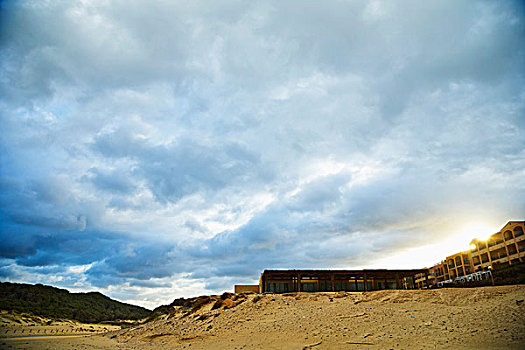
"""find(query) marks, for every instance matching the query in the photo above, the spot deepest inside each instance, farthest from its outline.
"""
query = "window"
(326, 286)
(308, 287)
(518, 231)
(278, 287)
(390, 285)
(339, 286)
(451, 263)
(352, 286)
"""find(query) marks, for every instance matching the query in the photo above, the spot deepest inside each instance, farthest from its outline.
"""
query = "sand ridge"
(490, 317)
(469, 318)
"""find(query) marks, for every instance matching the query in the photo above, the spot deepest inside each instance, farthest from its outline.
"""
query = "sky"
(157, 149)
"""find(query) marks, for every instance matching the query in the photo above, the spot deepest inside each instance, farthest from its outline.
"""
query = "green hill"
(47, 301)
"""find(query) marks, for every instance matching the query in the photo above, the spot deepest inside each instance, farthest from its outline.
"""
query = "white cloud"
(196, 144)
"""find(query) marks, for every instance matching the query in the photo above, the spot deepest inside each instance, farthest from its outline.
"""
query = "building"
(457, 265)
(283, 281)
(438, 273)
(454, 266)
(504, 247)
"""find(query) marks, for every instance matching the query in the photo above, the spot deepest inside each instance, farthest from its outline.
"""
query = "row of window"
(511, 247)
(326, 286)
(507, 235)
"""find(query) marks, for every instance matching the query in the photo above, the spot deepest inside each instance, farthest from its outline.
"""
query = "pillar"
(516, 244)
(488, 252)
(506, 249)
(365, 284)
(479, 257)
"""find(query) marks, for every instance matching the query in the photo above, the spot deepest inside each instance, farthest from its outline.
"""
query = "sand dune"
(474, 318)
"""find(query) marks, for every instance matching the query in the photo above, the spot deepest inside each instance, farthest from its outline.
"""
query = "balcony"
(512, 249)
(514, 256)
(482, 249)
(497, 246)
(502, 260)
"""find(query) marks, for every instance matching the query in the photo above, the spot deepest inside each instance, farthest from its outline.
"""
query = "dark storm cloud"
(137, 261)
(180, 168)
(36, 246)
(201, 143)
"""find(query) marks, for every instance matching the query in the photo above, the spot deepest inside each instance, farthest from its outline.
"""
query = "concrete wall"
(243, 288)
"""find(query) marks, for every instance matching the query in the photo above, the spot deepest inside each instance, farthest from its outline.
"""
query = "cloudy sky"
(157, 149)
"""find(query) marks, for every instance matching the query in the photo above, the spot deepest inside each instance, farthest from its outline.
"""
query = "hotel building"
(504, 247)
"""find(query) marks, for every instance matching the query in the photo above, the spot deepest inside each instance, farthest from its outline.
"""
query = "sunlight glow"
(428, 255)
(481, 232)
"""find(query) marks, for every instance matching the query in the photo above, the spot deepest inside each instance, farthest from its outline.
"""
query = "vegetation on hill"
(47, 301)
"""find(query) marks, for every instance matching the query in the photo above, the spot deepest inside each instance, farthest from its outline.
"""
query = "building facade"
(504, 247)
(284, 281)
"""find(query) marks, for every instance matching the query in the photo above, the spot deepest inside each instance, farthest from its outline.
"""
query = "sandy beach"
(473, 318)
(24, 331)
